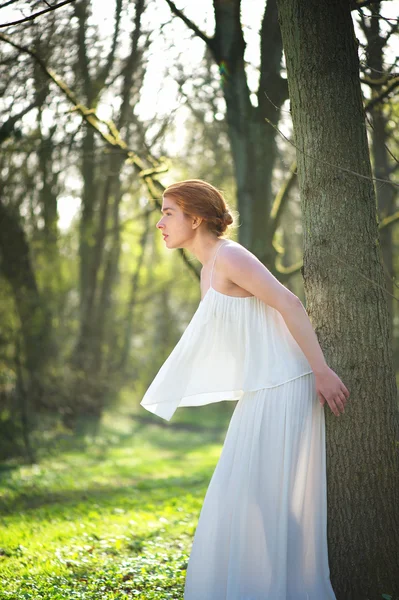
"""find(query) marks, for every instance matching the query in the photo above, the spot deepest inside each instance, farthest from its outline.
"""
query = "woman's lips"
(164, 237)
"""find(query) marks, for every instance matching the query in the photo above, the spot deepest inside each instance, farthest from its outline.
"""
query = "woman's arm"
(245, 270)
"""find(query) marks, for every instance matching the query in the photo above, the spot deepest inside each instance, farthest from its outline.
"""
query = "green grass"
(109, 516)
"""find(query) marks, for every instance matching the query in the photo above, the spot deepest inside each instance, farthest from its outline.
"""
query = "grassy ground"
(111, 515)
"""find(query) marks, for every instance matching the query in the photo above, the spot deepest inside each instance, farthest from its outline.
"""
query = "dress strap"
(214, 258)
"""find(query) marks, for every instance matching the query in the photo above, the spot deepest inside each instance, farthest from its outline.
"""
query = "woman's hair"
(199, 198)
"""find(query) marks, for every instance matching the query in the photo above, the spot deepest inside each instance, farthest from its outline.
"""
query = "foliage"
(104, 283)
(111, 515)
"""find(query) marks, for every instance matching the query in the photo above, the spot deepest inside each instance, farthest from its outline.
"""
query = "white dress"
(261, 533)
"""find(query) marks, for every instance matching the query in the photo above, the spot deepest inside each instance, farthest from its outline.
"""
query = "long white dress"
(261, 533)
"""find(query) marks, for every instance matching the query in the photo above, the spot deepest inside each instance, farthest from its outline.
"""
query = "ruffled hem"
(166, 410)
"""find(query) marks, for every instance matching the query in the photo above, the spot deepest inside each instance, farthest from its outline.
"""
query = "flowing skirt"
(262, 529)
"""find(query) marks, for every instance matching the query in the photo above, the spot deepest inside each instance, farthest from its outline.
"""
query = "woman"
(261, 533)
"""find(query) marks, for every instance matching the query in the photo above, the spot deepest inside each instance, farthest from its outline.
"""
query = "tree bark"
(346, 300)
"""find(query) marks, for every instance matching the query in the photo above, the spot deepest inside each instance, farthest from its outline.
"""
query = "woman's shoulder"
(233, 250)
(235, 258)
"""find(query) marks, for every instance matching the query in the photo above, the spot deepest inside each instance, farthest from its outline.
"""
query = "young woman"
(261, 533)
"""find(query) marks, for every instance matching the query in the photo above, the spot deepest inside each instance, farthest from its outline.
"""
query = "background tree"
(253, 144)
(380, 77)
(36, 259)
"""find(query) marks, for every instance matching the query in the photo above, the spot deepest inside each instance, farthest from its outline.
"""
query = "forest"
(291, 109)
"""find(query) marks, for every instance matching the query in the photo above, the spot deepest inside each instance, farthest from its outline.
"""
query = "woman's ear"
(196, 222)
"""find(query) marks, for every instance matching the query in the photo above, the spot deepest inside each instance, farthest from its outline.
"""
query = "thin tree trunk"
(24, 405)
(110, 272)
(35, 320)
(130, 312)
(349, 312)
(101, 193)
(379, 138)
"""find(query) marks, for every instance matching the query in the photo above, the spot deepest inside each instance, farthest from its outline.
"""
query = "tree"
(344, 285)
(68, 138)
(377, 75)
(253, 144)
(101, 198)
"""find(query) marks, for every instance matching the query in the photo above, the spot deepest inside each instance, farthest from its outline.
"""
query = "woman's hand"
(330, 389)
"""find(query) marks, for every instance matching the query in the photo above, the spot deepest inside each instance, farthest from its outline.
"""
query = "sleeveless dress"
(262, 529)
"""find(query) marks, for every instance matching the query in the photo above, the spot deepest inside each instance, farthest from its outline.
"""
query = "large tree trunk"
(344, 285)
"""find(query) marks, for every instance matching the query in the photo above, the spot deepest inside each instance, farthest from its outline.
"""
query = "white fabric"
(261, 533)
(232, 345)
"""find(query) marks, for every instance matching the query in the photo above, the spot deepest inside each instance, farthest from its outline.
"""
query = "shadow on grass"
(144, 494)
(130, 480)
(206, 423)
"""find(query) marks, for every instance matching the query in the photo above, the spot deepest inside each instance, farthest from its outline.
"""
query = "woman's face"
(174, 224)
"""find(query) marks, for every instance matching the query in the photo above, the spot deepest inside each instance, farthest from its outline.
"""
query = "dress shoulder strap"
(213, 264)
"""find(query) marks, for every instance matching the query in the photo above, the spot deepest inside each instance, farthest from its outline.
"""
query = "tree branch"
(179, 13)
(357, 4)
(281, 199)
(38, 14)
(288, 271)
(378, 82)
(8, 127)
(132, 62)
(8, 3)
(387, 221)
(103, 74)
(394, 29)
(326, 162)
(113, 139)
(384, 94)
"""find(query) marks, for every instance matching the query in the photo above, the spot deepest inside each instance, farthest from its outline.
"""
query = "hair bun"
(227, 218)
